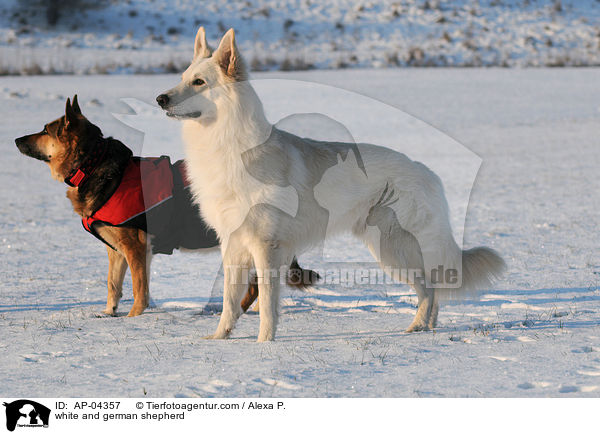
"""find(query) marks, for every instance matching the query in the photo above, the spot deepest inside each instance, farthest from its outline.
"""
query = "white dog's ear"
(201, 48)
(229, 59)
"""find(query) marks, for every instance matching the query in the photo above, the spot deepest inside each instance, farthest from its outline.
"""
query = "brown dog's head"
(62, 143)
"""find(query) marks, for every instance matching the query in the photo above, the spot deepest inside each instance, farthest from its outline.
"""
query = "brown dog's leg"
(137, 265)
(250, 296)
(117, 266)
(131, 244)
(136, 253)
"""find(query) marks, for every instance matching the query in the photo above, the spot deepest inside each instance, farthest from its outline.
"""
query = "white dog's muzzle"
(193, 115)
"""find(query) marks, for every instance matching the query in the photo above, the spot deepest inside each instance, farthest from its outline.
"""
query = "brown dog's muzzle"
(24, 144)
(21, 142)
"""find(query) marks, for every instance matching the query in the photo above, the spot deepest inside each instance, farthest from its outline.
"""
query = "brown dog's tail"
(300, 278)
(297, 278)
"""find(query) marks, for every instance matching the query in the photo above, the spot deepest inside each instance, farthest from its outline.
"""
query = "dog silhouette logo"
(26, 413)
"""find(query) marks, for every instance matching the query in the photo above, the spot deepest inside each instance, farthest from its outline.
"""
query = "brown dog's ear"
(228, 57)
(70, 115)
(201, 48)
(75, 105)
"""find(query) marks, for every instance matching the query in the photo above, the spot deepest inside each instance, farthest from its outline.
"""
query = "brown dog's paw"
(104, 314)
(136, 310)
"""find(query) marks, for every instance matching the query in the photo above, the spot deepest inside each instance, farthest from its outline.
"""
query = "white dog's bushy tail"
(481, 266)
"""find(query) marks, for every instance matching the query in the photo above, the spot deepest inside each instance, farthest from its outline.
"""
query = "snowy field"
(536, 200)
(102, 36)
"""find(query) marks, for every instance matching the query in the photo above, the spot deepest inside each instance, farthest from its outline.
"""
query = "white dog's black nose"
(162, 100)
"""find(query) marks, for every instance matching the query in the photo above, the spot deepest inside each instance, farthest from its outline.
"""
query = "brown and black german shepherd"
(72, 145)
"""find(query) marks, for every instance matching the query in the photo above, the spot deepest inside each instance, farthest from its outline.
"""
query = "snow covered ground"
(156, 36)
(536, 200)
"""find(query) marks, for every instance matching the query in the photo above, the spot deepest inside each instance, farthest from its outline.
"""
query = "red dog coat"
(154, 196)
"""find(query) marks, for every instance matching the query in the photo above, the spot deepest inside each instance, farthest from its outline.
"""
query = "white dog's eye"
(198, 82)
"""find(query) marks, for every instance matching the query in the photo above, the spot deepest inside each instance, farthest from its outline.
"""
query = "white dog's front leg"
(268, 267)
(236, 282)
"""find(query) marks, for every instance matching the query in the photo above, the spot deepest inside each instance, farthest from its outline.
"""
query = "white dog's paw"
(218, 335)
(266, 335)
(417, 326)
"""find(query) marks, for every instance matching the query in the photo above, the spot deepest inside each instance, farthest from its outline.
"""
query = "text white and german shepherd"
(270, 194)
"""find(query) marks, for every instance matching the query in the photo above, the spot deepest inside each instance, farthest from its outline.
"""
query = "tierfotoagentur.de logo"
(25, 413)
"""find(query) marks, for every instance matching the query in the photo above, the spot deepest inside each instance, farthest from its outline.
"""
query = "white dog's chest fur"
(222, 185)
(214, 180)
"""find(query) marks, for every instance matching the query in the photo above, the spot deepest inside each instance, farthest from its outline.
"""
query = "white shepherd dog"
(270, 194)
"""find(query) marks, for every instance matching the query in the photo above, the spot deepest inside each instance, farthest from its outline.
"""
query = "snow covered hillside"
(156, 36)
(536, 200)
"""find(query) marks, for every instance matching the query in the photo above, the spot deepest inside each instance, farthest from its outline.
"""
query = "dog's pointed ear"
(70, 115)
(229, 59)
(75, 105)
(201, 48)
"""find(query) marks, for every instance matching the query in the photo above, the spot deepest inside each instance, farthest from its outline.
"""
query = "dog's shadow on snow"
(555, 296)
(549, 303)
(27, 307)
(554, 307)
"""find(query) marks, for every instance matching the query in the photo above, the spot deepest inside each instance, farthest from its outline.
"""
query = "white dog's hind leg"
(235, 271)
(423, 318)
(399, 254)
(435, 308)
